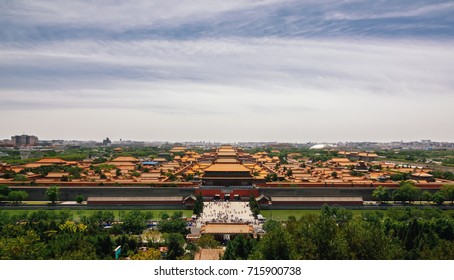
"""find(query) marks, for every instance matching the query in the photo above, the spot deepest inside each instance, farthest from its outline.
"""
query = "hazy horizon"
(228, 71)
(228, 142)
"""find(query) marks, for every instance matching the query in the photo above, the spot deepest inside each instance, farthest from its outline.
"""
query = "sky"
(228, 71)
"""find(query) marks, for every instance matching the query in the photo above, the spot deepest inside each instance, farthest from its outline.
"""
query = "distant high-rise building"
(24, 140)
(107, 141)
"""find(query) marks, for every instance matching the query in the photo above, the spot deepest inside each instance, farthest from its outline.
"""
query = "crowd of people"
(226, 212)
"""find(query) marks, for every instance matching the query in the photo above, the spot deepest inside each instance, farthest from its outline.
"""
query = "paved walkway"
(226, 212)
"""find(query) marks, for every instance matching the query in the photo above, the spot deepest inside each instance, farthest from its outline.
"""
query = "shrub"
(79, 198)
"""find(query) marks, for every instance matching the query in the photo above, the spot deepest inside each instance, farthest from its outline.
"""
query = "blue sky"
(234, 70)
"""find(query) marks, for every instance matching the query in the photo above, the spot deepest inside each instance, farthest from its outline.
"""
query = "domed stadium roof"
(321, 146)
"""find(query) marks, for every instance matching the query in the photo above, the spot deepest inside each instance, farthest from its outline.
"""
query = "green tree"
(271, 177)
(377, 167)
(198, 205)
(207, 241)
(103, 245)
(255, 209)
(175, 248)
(448, 192)
(399, 177)
(448, 175)
(177, 215)
(149, 254)
(17, 197)
(381, 194)
(24, 246)
(53, 193)
(79, 198)
(326, 234)
(134, 221)
(239, 248)
(426, 196)
(173, 226)
(444, 250)
(98, 219)
(368, 241)
(171, 177)
(438, 197)
(74, 172)
(356, 173)
(99, 160)
(64, 178)
(118, 172)
(129, 244)
(20, 177)
(407, 191)
(9, 174)
(275, 245)
(4, 192)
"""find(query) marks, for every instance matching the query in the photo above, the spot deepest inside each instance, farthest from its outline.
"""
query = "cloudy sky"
(237, 70)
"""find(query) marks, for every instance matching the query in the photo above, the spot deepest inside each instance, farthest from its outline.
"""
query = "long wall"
(38, 193)
(69, 193)
(346, 185)
(365, 193)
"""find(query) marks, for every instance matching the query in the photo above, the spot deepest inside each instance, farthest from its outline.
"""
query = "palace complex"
(227, 173)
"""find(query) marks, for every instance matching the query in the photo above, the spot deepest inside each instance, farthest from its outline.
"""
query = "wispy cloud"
(261, 70)
(398, 10)
(368, 66)
(120, 15)
(56, 20)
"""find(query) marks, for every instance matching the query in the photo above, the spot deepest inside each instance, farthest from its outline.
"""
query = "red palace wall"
(232, 193)
(166, 203)
(333, 202)
(345, 185)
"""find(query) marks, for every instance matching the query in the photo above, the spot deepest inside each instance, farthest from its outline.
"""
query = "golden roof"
(177, 149)
(227, 167)
(227, 228)
(339, 160)
(226, 160)
(209, 254)
(125, 159)
(227, 153)
(57, 174)
(51, 160)
(422, 174)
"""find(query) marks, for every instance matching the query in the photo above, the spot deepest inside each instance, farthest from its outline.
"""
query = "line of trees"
(15, 197)
(408, 192)
(198, 205)
(47, 234)
(255, 209)
(335, 233)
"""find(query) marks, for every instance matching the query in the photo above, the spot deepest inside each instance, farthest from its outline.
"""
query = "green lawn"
(77, 212)
(283, 215)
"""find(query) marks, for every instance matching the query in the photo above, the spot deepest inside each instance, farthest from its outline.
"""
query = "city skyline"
(236, 71)
(20, 140)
